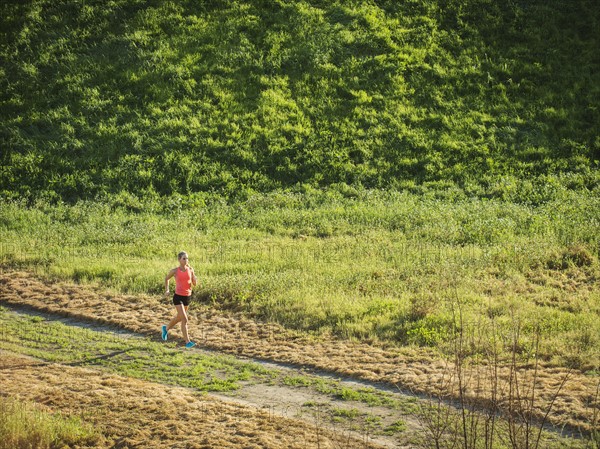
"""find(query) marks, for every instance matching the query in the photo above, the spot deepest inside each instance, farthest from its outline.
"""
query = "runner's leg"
(176, 319)
(183, 319)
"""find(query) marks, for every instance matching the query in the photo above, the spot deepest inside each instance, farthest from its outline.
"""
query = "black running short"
(178, 299)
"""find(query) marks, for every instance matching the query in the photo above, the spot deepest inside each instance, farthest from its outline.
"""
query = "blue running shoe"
(190, 344)
(165, 333)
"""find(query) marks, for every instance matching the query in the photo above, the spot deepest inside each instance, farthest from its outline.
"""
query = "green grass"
(25, 425)
(395, 427)
(344, 413)
(132, 356)
(366, 395)
(493, 97)
(143, 358)
(366, 265)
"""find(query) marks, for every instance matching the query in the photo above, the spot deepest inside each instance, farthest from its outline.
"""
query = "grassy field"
(370, 266)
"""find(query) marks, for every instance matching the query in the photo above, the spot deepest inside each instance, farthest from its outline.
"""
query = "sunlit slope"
(240, 95)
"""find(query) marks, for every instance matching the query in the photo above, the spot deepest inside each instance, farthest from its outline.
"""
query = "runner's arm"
(170, 274)
(194, 279)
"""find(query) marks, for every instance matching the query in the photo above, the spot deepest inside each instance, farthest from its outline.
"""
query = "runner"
(184, 280)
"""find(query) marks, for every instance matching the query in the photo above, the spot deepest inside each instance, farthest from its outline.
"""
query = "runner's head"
(183, 258)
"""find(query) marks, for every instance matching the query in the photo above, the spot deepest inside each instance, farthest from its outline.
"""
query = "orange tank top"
(183, 282)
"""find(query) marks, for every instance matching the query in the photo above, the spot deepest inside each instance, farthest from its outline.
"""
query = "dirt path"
(130, 413)
(412, 369)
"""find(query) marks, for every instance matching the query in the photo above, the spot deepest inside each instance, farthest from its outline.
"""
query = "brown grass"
(410, 368)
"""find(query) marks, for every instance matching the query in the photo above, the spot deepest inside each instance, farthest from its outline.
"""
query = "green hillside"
(232, 96)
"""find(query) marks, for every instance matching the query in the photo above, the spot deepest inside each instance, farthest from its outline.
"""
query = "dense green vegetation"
(162, 97)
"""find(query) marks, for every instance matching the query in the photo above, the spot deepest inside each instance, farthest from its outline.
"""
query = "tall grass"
(25, 425)
(370, 265)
